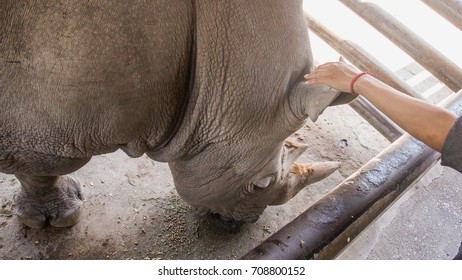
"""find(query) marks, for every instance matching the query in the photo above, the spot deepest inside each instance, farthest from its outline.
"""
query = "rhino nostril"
(226, 224)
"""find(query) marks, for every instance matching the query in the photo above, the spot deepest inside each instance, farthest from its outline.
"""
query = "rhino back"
(79, 78)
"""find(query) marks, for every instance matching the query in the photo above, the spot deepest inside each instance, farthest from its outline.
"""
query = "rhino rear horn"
(301, 175)
(292, 151)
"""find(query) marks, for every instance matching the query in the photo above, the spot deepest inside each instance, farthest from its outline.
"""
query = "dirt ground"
(132, 211)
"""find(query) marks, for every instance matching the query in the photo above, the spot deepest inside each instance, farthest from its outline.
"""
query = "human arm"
(426, 122)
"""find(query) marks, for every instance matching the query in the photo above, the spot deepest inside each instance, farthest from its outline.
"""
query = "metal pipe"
(326, 227)
(360, 57)
(427, 56)
(374, 117)
(449, 9)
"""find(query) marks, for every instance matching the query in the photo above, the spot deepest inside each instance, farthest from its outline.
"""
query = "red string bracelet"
(353, 81)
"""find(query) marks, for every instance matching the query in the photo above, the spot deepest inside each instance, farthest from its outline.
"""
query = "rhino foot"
(52, 200)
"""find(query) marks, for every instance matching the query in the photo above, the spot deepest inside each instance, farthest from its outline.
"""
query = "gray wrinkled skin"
(212, 87)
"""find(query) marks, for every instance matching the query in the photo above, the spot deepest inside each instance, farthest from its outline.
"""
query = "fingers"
(311, 78)
(325, 72)
(316, 77)
(327, 64)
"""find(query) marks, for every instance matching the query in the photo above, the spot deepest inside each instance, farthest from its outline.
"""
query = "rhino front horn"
(301, 175)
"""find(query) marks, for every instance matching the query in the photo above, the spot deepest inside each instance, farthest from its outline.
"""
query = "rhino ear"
(311, 100)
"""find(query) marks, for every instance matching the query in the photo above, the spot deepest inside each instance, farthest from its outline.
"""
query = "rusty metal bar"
(325, 228)
(449, 9)
(427, 56)
(360, 57)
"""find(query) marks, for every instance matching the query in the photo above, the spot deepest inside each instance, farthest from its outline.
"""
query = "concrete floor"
(424, 224)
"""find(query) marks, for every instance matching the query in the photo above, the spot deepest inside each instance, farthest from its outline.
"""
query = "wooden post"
(449, 9)
(427, 56)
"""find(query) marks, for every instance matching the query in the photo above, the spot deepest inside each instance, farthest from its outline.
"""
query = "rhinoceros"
(214, 88)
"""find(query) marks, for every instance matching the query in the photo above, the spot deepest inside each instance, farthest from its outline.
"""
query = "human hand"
(336, 75)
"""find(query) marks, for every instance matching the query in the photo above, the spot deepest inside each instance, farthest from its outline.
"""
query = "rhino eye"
(261, 184)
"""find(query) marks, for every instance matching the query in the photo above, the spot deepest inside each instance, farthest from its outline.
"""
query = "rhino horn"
(301, 175)
(292, 152)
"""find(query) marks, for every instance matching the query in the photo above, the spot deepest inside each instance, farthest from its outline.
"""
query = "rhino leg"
(47, 195)
(56, 200)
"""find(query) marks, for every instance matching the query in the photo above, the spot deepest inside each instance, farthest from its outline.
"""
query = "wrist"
(359, 82)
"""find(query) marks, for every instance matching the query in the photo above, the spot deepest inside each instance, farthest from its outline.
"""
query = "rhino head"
(249, 164)
(234, 181)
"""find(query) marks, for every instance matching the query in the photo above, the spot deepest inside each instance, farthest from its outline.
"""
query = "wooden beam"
(360, 57)
(427, 56)
(449, 9)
